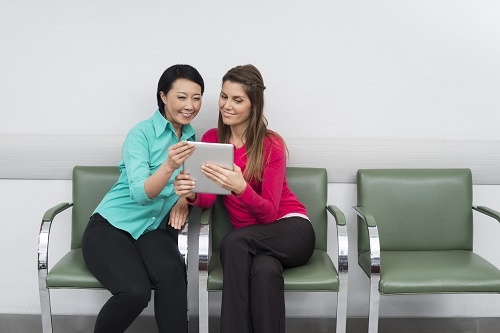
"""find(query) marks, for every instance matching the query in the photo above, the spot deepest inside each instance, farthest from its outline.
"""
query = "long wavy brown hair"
(253, 85)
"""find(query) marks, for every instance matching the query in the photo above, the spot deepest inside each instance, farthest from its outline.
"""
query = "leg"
(267, 296)
(290, 241)
(112, 257)
(167, 272)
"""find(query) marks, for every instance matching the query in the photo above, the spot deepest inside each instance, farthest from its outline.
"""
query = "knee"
(266, 271)
(135, 296)
(232, 241)
(171, 270)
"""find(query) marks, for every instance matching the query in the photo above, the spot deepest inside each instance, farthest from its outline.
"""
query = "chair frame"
(43, 264)
(374, 241)
(205, 252)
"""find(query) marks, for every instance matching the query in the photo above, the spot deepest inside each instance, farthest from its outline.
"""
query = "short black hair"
(173, 73)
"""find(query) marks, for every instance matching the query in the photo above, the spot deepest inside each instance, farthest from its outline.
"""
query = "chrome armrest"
(488, 211)
(374, 239)
(43, 237)
(43, 258)
(205, 250)
(343, 264)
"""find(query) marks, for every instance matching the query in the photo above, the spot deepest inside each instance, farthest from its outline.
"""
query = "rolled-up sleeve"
(135, 154)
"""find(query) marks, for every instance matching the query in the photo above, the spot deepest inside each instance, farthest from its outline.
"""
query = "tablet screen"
(221, 154)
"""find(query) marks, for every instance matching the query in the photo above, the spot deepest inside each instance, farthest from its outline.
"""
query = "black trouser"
(253, 259)
(128, 268)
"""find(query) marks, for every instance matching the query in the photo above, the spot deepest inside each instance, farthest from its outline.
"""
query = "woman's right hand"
(183, 186)
(178, 153)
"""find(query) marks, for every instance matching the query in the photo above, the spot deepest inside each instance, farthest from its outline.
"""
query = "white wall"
(374, 69)
(334, 69)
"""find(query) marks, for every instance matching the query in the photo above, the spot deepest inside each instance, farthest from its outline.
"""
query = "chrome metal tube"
(43, 246)
(343, 268)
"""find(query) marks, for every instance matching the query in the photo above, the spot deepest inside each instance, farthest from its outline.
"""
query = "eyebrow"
(237, 96)
(185, 93)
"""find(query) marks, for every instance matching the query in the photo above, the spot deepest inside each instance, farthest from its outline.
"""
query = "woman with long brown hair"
(271, 227)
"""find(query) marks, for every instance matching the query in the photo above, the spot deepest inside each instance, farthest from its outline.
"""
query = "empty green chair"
(415, 234)
(320, 273)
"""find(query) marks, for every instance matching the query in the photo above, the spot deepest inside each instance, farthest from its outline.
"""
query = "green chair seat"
(319, 274)
(426, 272)
(71, 272)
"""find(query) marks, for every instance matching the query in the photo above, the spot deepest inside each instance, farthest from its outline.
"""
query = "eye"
(197, 98)
(223, 96)
(181, 97)
(238, 101)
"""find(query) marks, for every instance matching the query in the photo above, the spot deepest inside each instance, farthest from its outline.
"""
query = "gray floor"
(11, 323)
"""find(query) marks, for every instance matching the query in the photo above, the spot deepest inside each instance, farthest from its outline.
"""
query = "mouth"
(227, 114)
(186, 114)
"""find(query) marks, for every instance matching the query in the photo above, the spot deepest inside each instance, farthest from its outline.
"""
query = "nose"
(188, 105)
(226, 105)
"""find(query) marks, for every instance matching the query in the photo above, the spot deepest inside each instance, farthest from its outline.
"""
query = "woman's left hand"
(231, 180)
(179, 214)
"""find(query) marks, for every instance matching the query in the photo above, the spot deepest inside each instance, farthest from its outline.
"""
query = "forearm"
(264, 209)
(157, 181)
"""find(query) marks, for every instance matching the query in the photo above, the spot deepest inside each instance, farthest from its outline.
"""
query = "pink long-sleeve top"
(261, 202)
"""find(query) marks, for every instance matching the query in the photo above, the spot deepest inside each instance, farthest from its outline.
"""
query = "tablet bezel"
(221, 154)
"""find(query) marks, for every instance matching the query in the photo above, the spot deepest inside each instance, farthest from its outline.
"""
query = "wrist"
(167, 169)
(240, 191)
(192, 198)
(183, 201)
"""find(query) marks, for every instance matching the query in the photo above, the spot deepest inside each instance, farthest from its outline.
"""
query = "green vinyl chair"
(89, 185)
(415, 235)
(320, 273)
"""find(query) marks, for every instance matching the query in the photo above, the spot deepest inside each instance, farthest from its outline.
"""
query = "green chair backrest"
(308, 184)
(90, 184)
(417, 209)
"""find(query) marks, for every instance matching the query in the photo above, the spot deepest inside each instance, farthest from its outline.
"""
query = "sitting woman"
(271, 227)
(126, 245)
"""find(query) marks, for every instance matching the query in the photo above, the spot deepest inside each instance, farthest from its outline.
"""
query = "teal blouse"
(126, 206)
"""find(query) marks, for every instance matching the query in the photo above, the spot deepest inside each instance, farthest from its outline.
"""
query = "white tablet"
(221, 154)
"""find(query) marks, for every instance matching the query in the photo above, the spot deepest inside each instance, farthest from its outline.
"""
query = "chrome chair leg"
(374, 304)
(196, 238)
(374, 280)
(45, 306)
(43, 244)
(343, 268)
(342, 305)
(203, 273)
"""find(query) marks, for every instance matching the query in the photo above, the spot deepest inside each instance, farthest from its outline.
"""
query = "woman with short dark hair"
(130, 243)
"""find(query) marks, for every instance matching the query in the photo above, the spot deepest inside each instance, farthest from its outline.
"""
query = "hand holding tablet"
(221, 154)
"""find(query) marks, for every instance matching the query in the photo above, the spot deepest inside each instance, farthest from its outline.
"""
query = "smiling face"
(234, 105)
(182, 102)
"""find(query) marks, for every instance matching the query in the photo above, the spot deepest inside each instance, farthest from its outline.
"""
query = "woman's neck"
(237, 137)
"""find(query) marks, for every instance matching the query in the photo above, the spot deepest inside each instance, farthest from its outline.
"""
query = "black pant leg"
(289, 242)
(167, 272)
(111, 256)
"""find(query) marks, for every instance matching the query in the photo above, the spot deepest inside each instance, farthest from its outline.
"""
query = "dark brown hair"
(253, 85)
